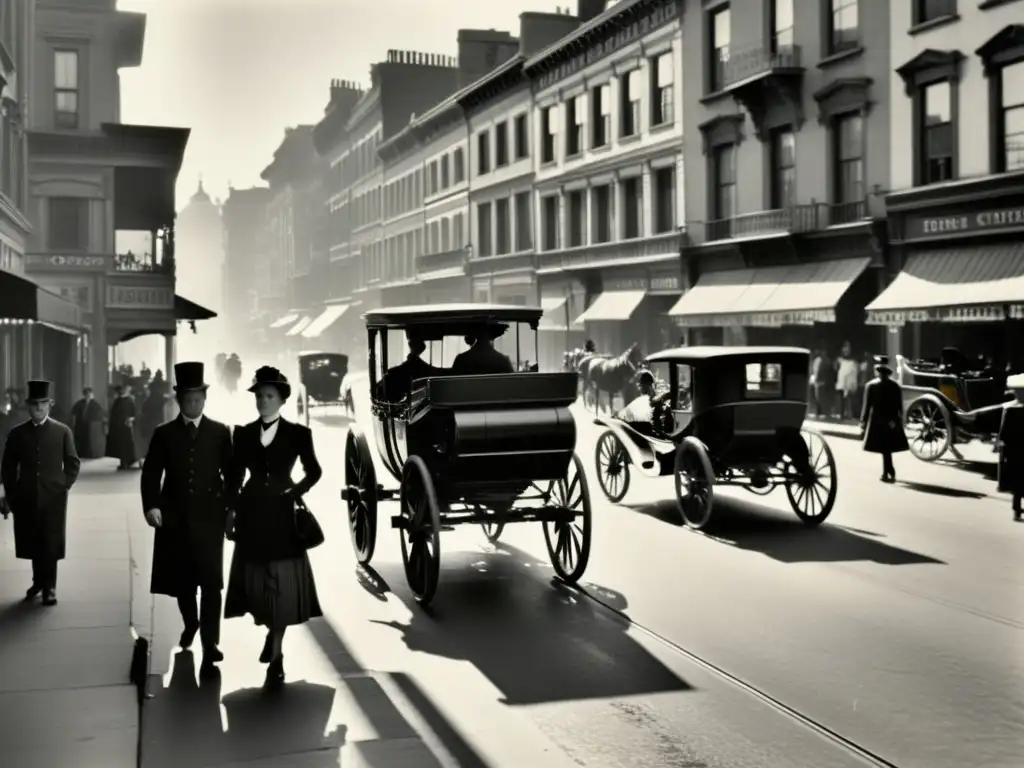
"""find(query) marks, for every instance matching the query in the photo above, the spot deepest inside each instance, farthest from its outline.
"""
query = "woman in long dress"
(271, 577)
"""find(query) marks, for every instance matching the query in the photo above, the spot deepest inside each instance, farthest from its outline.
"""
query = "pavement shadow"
(19, 617)
(986, 469)
(940, 490)
(537, 642)
(664, 511)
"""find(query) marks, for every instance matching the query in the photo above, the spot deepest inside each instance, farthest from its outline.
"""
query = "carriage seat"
(502, 390)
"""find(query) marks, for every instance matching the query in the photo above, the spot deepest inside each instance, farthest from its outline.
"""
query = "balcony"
(647, 250)
(765, 82)
(795, 220)
(140, 251)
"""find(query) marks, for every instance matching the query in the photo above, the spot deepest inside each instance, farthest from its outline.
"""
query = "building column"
(646, 209)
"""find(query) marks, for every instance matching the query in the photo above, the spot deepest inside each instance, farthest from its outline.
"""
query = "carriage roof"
(700, 354)
(450, 316)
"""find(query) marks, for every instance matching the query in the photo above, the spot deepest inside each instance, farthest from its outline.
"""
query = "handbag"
(307, 529)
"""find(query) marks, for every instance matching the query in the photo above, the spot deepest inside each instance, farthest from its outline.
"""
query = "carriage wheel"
(361, 495)
(812, 487)
(695, 483)
(568, 541)
(928, 427)
(421, 539)
(612, 467)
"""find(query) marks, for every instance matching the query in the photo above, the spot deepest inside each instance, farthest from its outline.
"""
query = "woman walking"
(271, 577)
(882, 419)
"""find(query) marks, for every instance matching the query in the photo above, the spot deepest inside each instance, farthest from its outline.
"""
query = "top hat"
(882, 364)
(267, 375)
(38, 392)
(188, 377)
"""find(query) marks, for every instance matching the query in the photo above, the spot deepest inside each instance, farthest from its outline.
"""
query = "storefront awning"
(976, 284)
(189, 310)
(612, 305)
(799, 294)
(556, 317)
(299, 327)
(324, 320)
(284, 320)
(22, 300)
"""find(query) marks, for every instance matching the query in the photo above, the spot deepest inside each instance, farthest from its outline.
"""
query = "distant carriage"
(322, 376)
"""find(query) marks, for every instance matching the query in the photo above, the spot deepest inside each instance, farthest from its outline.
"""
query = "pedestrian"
(1011, 444)
(825, 385)
(187, 496)
(846, 381)
(152, 413)
(121, 433)
(812, 383)
(271, 577)
(40, 465)
(87, 425)
(882, 418)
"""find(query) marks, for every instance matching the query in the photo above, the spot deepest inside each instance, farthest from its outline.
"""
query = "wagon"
(321, 375)
(723, 416)
(465, 449)
(945, 405)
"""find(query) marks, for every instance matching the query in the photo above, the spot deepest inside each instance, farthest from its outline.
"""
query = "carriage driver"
(482, 358)
(641, 408)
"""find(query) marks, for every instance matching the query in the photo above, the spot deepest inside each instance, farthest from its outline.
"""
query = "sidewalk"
(65, 694)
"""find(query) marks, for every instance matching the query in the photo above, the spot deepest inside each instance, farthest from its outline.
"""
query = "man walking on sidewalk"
(187, 492)
(39, 467)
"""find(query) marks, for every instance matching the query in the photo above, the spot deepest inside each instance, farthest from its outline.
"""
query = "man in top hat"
(121, 436)
(39, 467)
(187, 496)
(882, 418)
(1011, 445)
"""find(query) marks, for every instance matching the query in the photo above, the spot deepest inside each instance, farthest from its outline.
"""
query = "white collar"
(270, 419)
(195, 421)
(41, 422)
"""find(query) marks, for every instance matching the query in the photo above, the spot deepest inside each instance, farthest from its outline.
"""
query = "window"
(664, 200)
(632, 203)
(522, 137)
(446, 235)
(849, 165)
(783, 170)
(844, 27)
(601, 213)
(574, 120)
(68, 223)
(65, 82)
(446, 180)
(764, 381)
(483, 229)
(548, 131)
(662, 103)
(721, 39)
(549, 222)
(723, 175)
(782, 26)
(577, 204)
(459, 166)
(502, 228)
(458, 236)
(433, 178)
(601, 115)
(936, 132)
(930, 10)
(483, 153)
(524, 223)
(501, 144)
(629, 89)
(1011, 120)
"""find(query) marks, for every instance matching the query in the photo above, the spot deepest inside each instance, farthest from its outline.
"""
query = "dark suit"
(882, 421)
(397, 382)
(187, 477)
(39, 467)
(481, 359)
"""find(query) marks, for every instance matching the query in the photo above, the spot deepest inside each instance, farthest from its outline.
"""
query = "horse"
(613, 375)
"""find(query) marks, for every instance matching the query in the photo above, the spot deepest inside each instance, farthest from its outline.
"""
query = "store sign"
(666, 284)
(640, 28)
(79, 294)
(58, 261)
(919, 227)
(626, 284)
(124, 297)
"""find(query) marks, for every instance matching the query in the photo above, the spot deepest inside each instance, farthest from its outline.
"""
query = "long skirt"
(279, 593)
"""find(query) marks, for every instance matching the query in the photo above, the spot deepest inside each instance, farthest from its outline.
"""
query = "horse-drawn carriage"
(321, 376)
(724, 416)
(946, 404)
(604, 374)
(486, 450)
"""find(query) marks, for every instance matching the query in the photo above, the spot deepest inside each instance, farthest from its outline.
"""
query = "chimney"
(539, 30)
(586, 10)
(482, 51)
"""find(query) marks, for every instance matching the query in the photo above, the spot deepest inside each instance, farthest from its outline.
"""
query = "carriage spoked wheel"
(811, 482)
(695, 483)
(421, 539)
(568, 540)
(360, 495)
(928, 429)
(612, 466)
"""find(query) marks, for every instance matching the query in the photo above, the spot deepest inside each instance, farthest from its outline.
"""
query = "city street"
(895, 629)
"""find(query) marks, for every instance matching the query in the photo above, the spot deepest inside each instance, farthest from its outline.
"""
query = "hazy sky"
(238, 72)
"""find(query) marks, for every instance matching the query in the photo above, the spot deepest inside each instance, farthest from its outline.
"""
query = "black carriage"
(486, 450)
(945, 404)
(321, 375)
(723, 416)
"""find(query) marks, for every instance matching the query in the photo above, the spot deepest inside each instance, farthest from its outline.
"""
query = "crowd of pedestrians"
(837, 384)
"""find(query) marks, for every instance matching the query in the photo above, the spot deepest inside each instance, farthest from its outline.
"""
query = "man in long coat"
(882, 419)
(121, 435)
(39, 467)
(186, 497)
(87, 426)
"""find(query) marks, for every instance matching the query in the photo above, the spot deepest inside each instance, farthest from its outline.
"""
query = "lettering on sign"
(124, 297)
(59, 261)
(657, 18)
(665, 283)
(628, 284)
(936, 226)
(80, 294)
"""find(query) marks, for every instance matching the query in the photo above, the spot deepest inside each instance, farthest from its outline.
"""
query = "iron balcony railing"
(745, 63)
(796, 219)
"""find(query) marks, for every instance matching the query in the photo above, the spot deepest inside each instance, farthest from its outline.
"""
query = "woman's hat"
(269, 376)
(188, 377)
(38, 392)
(882, 364)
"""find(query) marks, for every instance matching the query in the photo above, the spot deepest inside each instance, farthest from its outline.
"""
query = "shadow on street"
(940, 490)
(537, 642)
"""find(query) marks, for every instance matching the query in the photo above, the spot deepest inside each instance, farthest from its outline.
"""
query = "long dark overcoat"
(87, 425)
(882, 417)
(121, 434)
(1011, 455)
(39, 467)
(188, 480)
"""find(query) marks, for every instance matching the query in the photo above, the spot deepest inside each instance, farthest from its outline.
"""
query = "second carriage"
(322, 379)
(466, 449)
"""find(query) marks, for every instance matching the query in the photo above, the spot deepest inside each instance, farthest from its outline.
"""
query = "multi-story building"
(607, 131)
(102, 193)
(956, 206)
(786, 118)
(200, 268)
(244, 217)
